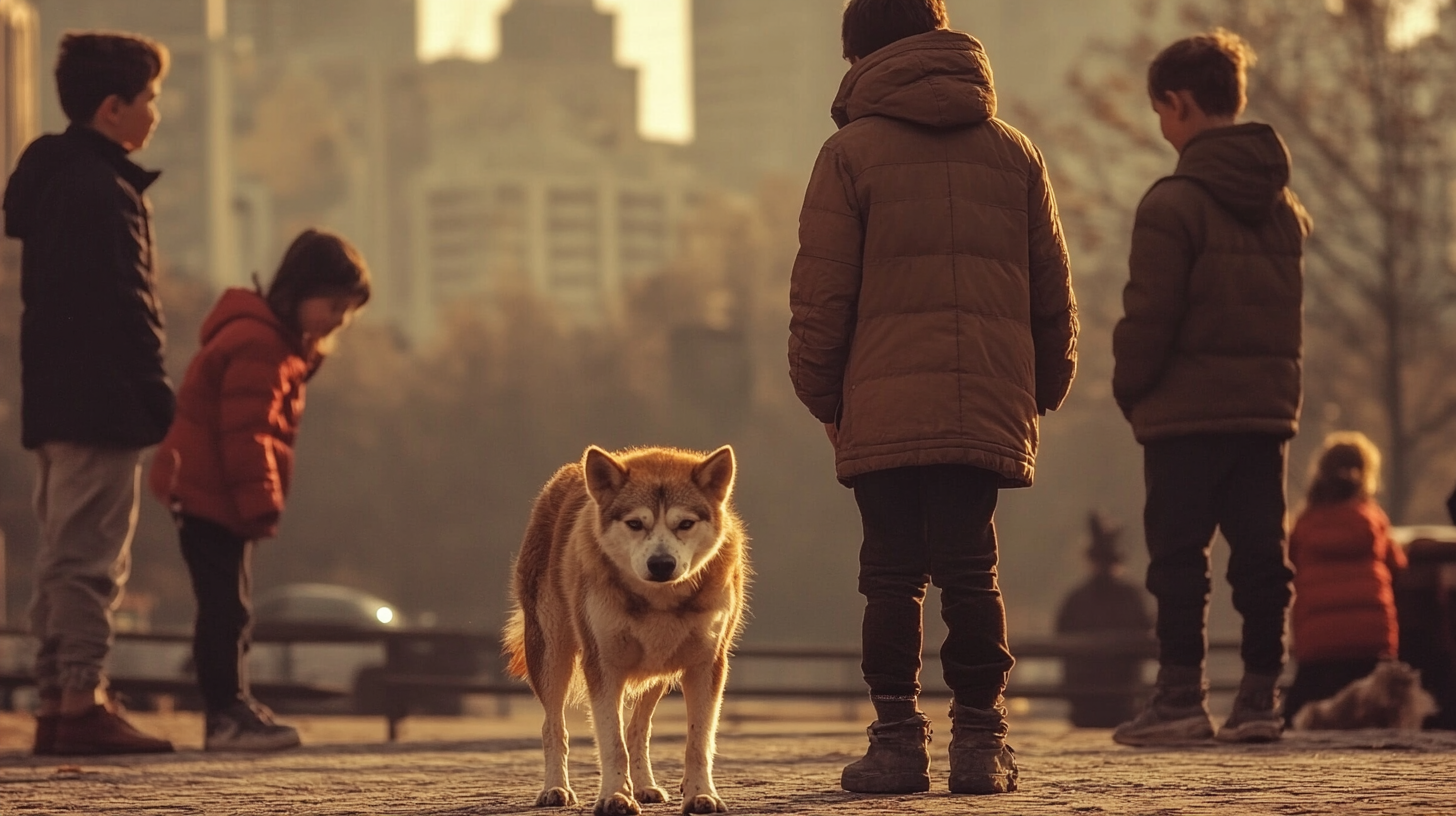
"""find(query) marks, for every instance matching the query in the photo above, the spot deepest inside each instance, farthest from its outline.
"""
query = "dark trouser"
(221, 564)
(1323, 679)
(932, 524)
(1199, 484)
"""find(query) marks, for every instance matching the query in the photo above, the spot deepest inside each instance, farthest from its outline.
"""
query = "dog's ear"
(714, 475)
(604, 475)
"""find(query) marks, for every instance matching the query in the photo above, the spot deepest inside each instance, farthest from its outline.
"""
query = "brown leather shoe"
(100, 730)
(45, 734)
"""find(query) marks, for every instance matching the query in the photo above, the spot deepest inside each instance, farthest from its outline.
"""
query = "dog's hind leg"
(702, 687)
(551, 662)
(639, 737)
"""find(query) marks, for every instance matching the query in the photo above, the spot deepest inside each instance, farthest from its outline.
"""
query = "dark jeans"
(221, 564)
(1199, 484)
(922, 525)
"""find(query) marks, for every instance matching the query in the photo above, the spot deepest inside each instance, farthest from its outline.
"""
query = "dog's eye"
(634, 524)
(686, 524)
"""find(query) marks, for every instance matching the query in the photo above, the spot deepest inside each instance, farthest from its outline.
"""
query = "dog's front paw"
(618, 804)
(556, 797)
(652, 796)
(704, 803)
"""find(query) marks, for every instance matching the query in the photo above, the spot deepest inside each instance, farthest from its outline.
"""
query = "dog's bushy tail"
(514, 642)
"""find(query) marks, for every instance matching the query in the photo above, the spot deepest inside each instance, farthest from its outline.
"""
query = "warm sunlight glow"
(1414, 20)
(652, 35)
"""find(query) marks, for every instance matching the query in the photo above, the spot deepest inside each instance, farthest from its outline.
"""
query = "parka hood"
(1244, 167)
(48, 156)
(938, 79)
(242, 304)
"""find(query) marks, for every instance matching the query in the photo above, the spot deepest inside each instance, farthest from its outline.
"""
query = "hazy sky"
(654, 36)
(651, 35)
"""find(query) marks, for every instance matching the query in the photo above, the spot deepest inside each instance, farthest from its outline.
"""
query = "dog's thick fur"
(632, 577)
(1389, 697)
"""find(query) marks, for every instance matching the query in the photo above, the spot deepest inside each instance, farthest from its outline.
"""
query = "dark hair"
(870, 25)
(317, 264)
(95, 65)
(1210, 66)
(1348, 467)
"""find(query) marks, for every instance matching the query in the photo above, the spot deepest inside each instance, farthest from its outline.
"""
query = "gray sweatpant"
(86, 500)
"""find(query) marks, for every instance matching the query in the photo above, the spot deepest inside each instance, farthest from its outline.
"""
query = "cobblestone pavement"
(763, 768)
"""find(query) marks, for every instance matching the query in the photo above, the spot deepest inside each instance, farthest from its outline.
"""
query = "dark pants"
(1199, 484)
(922, 525)
(221, 565)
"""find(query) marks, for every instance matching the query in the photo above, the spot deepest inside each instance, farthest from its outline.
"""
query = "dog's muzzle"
(661, 568)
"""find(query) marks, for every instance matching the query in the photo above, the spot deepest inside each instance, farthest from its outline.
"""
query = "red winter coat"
(1344, 605)
(229, 455)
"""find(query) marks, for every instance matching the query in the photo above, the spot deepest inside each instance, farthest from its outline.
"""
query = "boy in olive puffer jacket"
(1208, 372)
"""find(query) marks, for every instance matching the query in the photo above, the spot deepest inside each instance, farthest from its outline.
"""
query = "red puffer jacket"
(1344, 605)
(228, 457)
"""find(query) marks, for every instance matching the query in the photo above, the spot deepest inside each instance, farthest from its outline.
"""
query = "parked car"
(356, 666)
(325, 604)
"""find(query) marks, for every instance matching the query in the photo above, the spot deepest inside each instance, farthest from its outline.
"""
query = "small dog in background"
(1390, 697)
(631, 578)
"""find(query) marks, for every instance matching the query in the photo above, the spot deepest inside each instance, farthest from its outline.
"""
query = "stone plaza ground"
(784, 759)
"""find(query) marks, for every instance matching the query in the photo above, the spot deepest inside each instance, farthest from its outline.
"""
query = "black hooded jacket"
(91, 337)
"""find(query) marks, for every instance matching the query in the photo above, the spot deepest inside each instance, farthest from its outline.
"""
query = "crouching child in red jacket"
(224, 468)
(1344, 616)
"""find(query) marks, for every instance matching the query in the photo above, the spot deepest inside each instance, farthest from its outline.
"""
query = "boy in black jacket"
(94, 392)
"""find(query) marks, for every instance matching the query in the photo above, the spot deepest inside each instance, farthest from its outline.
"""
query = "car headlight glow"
(384, 614)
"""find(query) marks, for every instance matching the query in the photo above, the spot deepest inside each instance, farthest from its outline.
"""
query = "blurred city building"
(537, 177)
(19, 63)
(764, 75)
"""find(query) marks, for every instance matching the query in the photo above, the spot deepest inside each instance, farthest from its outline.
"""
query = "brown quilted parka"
(933, 318)
(1211, 338)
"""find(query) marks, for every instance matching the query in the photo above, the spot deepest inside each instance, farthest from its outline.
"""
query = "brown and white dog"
(1389, 697)
(632, 576)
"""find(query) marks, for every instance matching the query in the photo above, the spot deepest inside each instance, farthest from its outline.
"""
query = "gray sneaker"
(1257, 714)
(1176, 715)
(247, 726)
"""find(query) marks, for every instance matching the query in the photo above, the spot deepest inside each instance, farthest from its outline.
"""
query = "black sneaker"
(247, 726)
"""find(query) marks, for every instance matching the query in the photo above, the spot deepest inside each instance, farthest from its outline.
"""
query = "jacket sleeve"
(824, 287)
(1395, 557)
(1054, 324)
(254, 386)
(1155, 298)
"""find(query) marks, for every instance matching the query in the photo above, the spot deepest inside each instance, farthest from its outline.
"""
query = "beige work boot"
(898, 760)
(980, 760)
(1257, 714)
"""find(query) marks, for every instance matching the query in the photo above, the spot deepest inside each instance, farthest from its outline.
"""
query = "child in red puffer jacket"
(224, 468)
(1344, 604)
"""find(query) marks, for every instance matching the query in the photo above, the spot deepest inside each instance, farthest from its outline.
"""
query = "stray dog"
(632, 576)
(1390, 697)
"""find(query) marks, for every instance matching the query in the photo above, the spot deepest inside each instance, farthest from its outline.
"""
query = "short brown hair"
(95, 64)
(316, 264)
(870, 25)
(1210, 66)
(1348, 467)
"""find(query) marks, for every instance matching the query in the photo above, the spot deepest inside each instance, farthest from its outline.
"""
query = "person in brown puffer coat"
(1208, 370)
(933, 322)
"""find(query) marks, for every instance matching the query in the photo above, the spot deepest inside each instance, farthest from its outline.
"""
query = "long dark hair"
(317, 264)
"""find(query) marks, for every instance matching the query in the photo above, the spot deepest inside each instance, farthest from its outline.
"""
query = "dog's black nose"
(661, 567)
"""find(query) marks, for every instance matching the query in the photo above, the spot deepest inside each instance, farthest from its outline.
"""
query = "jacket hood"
(939, 79)
(242, 304)
(1244, 167)
(49, 155)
